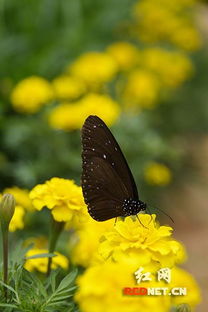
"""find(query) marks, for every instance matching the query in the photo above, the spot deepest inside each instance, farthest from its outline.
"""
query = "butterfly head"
(133, 206)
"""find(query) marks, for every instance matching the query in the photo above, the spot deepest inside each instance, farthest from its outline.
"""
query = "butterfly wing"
(104, 201)
(106, 177)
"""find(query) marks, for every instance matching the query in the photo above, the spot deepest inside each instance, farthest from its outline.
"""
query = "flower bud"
(7, 208)
(184, 307)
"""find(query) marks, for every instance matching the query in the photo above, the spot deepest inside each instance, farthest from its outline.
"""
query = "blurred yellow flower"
(70, 116)
(39, 242)
(67, 116)
(21, 197)
(94, 68)
(17, 222)
(181, 278)
(144, 240)
(157, 174)
(172, 68)
(141, 90)
(85, 251)
(124, 53)
(173, 22)
(40, 264)
(101, 289)
(68, 87)
(62, 196)
(188, 38)
(30, 94)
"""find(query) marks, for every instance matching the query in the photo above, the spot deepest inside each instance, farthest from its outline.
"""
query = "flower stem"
(56, 229)
(5, 257)
(7, 209)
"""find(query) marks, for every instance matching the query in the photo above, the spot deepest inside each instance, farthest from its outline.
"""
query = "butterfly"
(108, 185)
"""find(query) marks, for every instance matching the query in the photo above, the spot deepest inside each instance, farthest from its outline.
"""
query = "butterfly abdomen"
(132, 206)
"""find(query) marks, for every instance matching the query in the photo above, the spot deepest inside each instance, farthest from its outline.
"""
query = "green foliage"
(29, 294)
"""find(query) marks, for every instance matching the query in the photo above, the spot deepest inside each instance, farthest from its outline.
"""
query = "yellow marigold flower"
(30, 94)
(157, 174)
(142, 89)
(85, 251)
(125, 54)
(101, 286)
(21, 196)
(148, 242)
(62, 196)
(172, 68)
(40, 264)
(17, 222)
(94, 67)
(101, 289)
(70, 116)
(68, 87)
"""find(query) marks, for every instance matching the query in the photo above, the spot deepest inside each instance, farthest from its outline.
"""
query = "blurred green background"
(41, 38)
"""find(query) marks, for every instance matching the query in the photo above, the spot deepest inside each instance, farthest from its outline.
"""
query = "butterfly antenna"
(141, 222)
(164, 213)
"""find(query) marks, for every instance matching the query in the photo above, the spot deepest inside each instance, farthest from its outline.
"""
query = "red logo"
(135, 291)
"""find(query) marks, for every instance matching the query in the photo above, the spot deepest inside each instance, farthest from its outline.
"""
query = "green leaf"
(52, 280)
(63, 292)
(60, 298)
(41, 288)
(67, 280)
(31, 280)
(43, 255)
(7, 305)
(58, 304)
(10, 288)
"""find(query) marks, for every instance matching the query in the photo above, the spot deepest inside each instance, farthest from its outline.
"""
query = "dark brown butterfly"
(108, 185)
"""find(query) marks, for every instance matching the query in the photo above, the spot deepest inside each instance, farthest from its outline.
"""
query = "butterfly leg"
(150, 220)
(115, 221)
(149, 212)
(141, 222)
